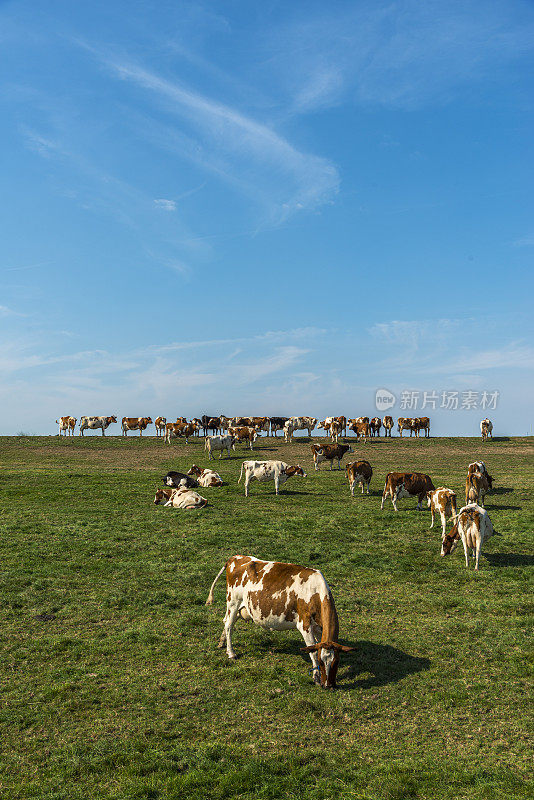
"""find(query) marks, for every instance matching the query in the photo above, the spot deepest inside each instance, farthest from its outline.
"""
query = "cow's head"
(111, 419)
(194, 470)
(450, 540)
(328, 653)
(160, 496)
(429, 498)
(296, 470)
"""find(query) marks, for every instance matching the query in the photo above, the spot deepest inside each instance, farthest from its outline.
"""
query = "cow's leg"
(443, 523)
(384, 495)
(432, 515)
(103, 432)
(310, 640)
(420, 499)
(229, 620)
(466, 551)
(351, 484)
(394, 498)
(368, 482)
(477, 553)
(247, 482)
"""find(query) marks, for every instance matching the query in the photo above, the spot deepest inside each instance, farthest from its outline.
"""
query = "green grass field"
(111, 682)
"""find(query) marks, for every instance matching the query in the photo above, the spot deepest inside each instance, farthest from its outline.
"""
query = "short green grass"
(111, 682)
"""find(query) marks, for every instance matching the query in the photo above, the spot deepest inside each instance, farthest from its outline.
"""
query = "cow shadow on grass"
(509, 559)
(387, 664)
(495, 507)
(501, 490)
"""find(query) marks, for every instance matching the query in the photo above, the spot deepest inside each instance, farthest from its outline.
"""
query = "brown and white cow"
(93, 423)
(406, 484)
(421, 424)
(299, 424)
(244, 434)
(479, 466)
(405, 424)
(280, 596)
(359, 473)
(361, 429)
(374, 426)
(476, 488)
(329, 452)
(335, 426)
(183, 498)
(473, 526)
(175, 430)
(277, 471)
(387, 422)
(207, 478)
(160, 423)
(135, 424)
(486, 429)
(442, 501)
(261, 424)
(66, 425)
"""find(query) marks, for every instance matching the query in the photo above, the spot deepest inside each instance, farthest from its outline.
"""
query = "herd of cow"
(248, 428)
(281, 596)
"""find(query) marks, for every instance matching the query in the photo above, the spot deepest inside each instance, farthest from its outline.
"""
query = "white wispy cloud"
(165, 205)
(295, 180)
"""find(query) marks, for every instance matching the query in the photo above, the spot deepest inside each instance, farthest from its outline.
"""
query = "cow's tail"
(209, 601)
(241, 473)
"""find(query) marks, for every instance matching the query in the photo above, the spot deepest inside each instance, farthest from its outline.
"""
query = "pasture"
(112, 684)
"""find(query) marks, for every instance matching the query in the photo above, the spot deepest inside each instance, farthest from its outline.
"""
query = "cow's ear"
(310, 649)
(343, 648)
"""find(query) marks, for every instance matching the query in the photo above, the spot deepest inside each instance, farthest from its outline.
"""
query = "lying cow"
(442, 501)
(244, 434)
(221, 443)
(206, 477)
(329, 452)
(135, 424)
(486, 429)
(93, 423)
(476, 488)
(66, 426)
(178, 480)
(406, 484)
(359, 473)
(276, 471)
(183, 498)
(160, 423)
(280, 596)
(473, 526)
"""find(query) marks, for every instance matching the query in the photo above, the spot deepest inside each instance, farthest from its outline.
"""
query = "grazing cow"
(375, 425)
(473, 526)
(329, 452)
(406, 484)
(281, 596)
(243, 435)
(134, 424)
(175, 430)
(66, 425)
(206, 477)
(361, 429)
(479, 466)
(476, 488)
(178, 480)
(387, 422)
(220, 443)
(486, 429)
(277, 424)
(160, 423)
(183, 498)
(359, 473)
(93, 423)
(443, 502)
(276, 471)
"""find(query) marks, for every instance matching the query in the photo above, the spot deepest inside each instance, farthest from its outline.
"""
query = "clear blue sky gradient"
(273, 208)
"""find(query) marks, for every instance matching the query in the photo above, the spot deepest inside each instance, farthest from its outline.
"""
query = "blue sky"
(269, 207)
